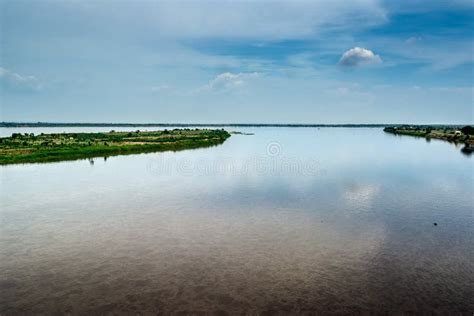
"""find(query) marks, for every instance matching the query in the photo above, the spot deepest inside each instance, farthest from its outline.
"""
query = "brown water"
(335, 221)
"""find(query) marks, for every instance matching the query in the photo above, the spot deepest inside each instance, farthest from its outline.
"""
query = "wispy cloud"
(160, 88)
(358, 56)
(413, 40)
(228, 81)
(259, 20)
(353, 92)
(457, 90)
(13, 80)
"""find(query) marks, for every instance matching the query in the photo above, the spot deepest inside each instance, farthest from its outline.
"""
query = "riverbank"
(30, 148)
(451, 134)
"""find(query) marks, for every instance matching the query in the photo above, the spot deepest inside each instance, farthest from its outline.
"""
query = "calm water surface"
(328, 220)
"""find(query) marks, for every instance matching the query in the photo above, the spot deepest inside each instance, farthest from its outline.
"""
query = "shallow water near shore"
(328, 220)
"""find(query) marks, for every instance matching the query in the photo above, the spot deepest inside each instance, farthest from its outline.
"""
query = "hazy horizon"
(272, 124)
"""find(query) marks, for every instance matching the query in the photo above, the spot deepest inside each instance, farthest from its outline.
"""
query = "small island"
(30, 148)
(455, 134)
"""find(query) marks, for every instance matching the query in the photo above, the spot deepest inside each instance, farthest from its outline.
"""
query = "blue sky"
(362, 61)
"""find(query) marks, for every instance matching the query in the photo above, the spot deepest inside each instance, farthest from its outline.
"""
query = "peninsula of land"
(30, 148)
(449, 133)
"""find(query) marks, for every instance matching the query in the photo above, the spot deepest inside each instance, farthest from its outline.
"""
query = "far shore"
(31, 148)
(462, 135)
(167, 125)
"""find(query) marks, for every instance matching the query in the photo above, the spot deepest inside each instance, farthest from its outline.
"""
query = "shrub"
(467, 130)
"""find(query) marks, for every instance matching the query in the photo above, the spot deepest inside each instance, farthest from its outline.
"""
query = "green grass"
(29, 148)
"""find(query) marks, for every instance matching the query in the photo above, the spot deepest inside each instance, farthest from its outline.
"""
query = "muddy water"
(326, 220)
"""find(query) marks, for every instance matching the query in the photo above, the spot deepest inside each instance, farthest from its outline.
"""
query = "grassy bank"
(30, 148)
(448, 133)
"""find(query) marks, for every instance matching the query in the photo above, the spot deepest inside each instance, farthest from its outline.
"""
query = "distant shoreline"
(31, 148)
(450, 134)
(48, 124)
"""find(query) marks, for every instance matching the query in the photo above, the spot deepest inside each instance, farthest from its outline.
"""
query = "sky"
(337, 61)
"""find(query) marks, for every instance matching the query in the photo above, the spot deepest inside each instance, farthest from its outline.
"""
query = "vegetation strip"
(30, 148)
(452, 134)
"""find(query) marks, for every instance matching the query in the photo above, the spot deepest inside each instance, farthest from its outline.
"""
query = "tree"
(467, 130)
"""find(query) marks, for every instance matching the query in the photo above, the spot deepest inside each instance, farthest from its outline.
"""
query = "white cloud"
(358, 56)
(228, 81)
(19, 82)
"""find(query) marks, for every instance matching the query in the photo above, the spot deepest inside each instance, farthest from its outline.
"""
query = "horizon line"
(98, 124)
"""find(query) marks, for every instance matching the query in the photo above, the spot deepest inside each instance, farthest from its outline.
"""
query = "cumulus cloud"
(358, 56)
(16, 81)
(229, 81)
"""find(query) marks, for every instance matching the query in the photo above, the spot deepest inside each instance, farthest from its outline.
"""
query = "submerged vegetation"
(449, 133)
(29, 148)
